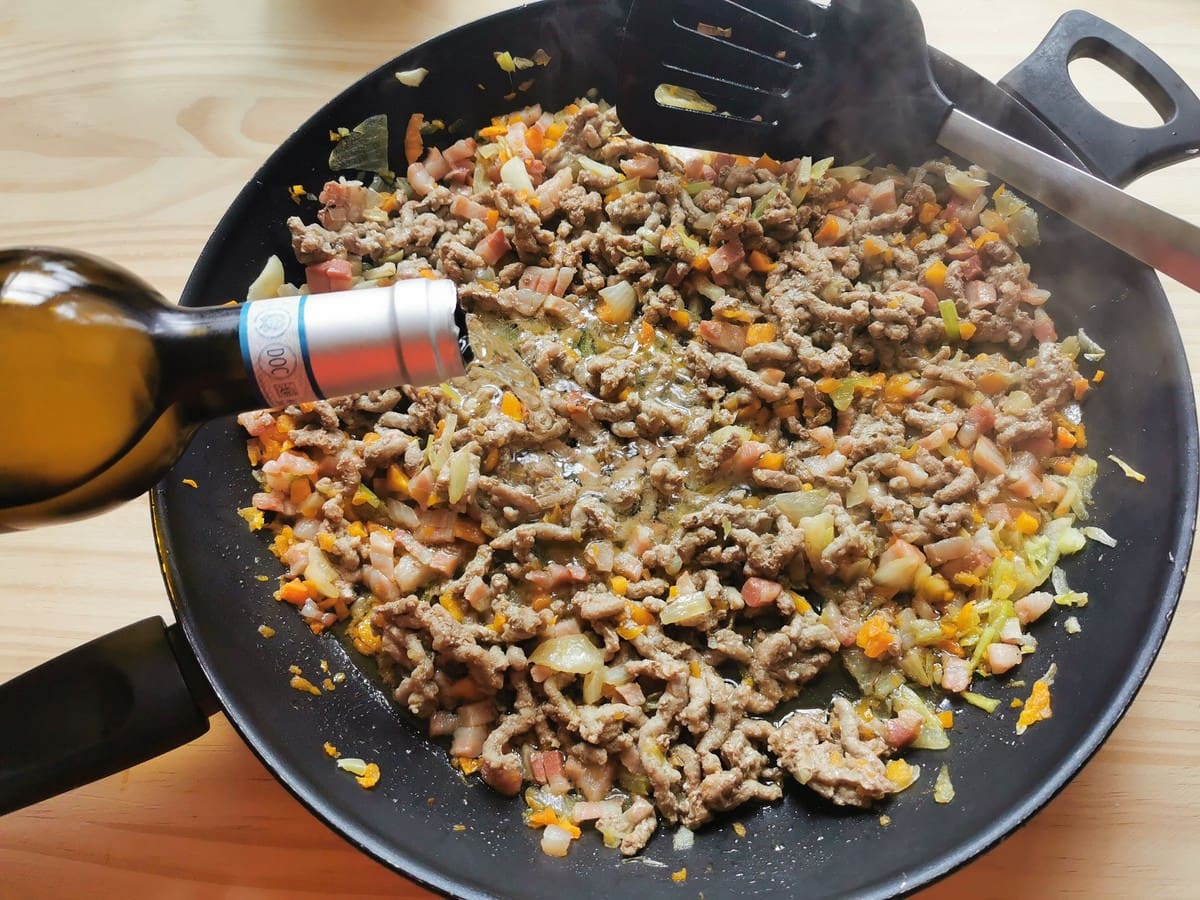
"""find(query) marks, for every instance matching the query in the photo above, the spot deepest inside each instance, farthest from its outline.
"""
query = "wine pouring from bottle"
(105, 382)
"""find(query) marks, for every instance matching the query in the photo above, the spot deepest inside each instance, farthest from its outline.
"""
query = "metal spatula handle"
(1158, 239)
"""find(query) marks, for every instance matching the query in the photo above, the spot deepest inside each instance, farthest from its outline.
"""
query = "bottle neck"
(286, 350)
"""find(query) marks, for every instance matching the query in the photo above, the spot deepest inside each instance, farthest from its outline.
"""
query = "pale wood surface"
(125, 130)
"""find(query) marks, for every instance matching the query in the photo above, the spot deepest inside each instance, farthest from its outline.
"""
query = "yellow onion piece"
(684, 609)
(797, 505)
(268, 282)
(572, 653)
(321, 573)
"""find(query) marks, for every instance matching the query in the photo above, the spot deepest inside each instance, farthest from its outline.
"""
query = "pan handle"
(100, 708)
(1117, 153)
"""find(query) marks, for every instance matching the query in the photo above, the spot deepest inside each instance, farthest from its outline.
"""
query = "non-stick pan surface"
(1144, 413)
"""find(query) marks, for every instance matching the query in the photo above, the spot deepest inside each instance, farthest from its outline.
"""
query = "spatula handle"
(1157, 238)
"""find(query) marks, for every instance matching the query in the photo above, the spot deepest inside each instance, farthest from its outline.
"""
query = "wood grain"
(126, 130)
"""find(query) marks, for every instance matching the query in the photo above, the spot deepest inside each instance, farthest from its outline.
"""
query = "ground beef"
(717, 404)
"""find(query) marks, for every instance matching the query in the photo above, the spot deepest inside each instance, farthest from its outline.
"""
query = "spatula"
(849, 78)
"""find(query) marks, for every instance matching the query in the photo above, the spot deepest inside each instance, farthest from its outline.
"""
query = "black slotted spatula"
(849, 78)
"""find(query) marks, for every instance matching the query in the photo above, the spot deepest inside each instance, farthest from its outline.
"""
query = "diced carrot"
(873, 247)
(370, 437)
(325, 540)
(993, 383)
(413, 144)
(543, 817)
(966, 330)
(294, 592)
(299, 490)
(761, 333)
(493, 131)
(875, 637)
(1099, 376)
(1026, 524)
(646, 334)
(772, 461)
(397, 479)
(760, 262)
(492, 218)
(1064, 439)
(681, 317)
(946, 717)
(452, 606)
(639, 613)
(935, 275)
(765, 162)
(512, 407)
(1081, 388)
(534, 140)
(700, 261)
(985, 238)
(830, 232)
(620, 584)
(541, 601)
(555, 130)
(929, 212)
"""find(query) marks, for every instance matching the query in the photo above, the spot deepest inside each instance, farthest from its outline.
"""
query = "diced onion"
(268, 282)
(593, 685)
(572, 653)
(460, 469)
(617, 303)
(683, 839)
(848, 173)
(1092, 351)
(1099, 535)
(597, 168)
(859, 492)
(818, 534)
(964, 185)
(556, 841)
(677, 97)
(352, 765)
(1130, 471)
(943, 790)
(514, 173)
(412, 77)
(797, 505)
(684, 609)
(321, 573)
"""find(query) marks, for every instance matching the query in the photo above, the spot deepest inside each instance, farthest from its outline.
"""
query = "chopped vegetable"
(1037, 707)
(573, 653)
(987, 704)
(943, 790)
(412, 77)
(682, 98)
(1129, 471)
(949, 319)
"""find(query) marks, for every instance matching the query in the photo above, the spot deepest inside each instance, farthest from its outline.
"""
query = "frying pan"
(144, 689)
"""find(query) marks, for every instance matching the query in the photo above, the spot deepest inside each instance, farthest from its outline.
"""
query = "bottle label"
(275, 350)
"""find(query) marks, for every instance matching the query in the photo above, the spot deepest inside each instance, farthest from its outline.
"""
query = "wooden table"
(126, 130)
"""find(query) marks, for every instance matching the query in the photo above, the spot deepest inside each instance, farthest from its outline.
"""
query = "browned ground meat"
(648, 517)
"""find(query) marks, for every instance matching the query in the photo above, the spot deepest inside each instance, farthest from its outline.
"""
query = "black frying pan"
(145, 689)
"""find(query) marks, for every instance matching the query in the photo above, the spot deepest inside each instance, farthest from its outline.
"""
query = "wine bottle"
(104, 382)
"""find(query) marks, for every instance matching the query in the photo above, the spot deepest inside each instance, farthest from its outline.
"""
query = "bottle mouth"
(464, 342)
